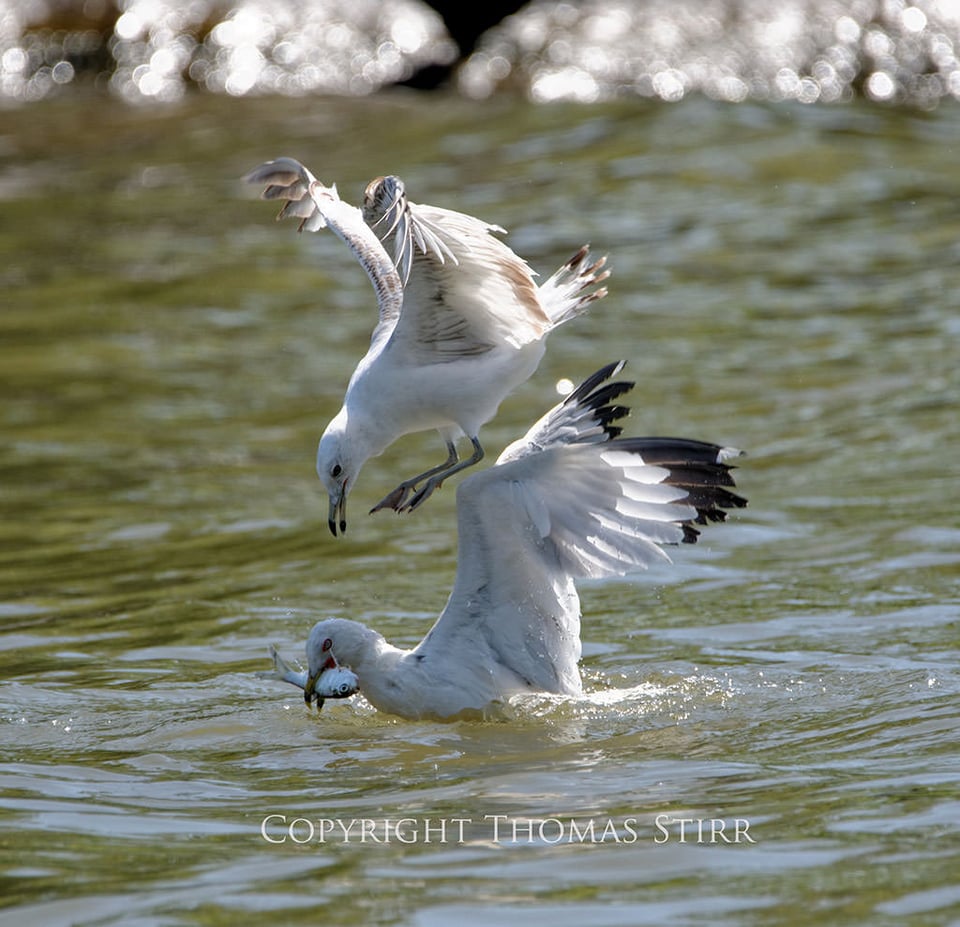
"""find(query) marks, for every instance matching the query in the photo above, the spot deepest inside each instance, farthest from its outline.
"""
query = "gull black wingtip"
(595, 379)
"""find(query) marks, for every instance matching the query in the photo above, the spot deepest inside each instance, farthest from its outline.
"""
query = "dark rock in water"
(465, 22)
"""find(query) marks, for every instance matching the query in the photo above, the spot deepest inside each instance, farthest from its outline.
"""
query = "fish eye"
(336, 471)
(344, 689)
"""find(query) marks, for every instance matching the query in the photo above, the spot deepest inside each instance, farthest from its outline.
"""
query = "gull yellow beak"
(310, 687)
(308, 691)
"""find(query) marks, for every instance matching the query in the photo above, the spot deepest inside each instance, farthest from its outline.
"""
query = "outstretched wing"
(465, 291)
(320, 207)
(571, 499)
(388, 212)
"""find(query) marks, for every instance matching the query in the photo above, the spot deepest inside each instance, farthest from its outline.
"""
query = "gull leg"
(436, 481)
(395, 500)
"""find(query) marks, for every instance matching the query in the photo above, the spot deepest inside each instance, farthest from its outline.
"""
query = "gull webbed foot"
(421, 495)
(395, 499)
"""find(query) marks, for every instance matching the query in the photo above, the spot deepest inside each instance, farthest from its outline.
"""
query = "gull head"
(337, 681)
(331, 641)
(332, 681)
(337, 472)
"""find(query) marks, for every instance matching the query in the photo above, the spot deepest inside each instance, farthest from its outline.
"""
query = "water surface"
(786, 280)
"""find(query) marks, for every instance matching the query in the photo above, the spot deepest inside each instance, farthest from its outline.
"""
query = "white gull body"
(461, 324)
(570, 499)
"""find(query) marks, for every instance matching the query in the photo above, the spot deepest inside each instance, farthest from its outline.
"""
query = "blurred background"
(807, 50)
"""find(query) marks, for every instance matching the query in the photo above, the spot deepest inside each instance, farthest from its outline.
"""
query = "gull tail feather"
(573, 287)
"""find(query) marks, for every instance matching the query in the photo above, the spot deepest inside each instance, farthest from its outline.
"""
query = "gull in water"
(571, 499)
(461, 324)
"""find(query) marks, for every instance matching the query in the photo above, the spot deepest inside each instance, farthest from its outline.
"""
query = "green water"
(786, 279)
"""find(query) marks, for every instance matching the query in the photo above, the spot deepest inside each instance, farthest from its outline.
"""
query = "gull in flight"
(571, 499)
(461, 324)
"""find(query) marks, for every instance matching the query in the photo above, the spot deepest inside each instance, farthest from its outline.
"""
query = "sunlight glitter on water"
(810, 51)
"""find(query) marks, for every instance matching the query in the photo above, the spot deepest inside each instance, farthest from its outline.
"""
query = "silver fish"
(334, 682)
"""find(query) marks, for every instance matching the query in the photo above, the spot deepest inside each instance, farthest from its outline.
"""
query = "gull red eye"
(327, 644)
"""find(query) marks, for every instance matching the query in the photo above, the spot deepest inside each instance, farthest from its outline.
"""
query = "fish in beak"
(331, 681)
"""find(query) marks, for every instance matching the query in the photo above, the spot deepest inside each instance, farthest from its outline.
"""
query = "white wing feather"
(454, 263)
(451, 288)
(569, 500)
(320, 207)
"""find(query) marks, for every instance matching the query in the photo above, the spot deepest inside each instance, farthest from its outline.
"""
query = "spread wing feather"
(570, 499)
